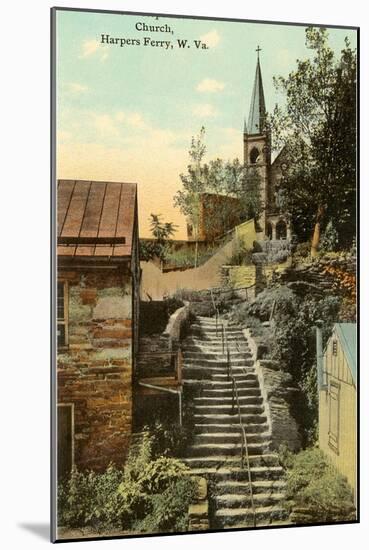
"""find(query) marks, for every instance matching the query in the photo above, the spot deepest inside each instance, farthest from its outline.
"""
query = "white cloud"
(210, 85)
(204, 110)
(91, 47)
(104, 124)
(136, 120)
(211, 38)
(76, 87)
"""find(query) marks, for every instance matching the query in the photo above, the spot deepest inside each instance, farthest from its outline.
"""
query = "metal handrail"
(244, 445)
(216, 309)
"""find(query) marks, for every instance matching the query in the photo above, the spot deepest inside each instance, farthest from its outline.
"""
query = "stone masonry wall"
(95, 371)
(276, 386)
(278, 393)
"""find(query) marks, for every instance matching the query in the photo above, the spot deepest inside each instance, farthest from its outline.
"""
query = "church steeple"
(257, 108)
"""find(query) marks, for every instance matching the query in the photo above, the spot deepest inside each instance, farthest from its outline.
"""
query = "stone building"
(97, 321)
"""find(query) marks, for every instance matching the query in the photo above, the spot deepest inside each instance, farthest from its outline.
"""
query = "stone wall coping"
(175, 322)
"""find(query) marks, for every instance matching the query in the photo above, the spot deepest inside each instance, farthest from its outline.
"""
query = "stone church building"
(274, 222)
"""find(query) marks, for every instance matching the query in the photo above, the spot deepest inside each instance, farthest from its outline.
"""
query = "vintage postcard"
(204, 266)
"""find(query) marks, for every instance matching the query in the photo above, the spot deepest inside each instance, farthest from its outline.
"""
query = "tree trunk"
(196, 251)
(316, 235)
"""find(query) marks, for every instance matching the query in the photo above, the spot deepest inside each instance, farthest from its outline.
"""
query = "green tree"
(229, 179)
(188, 199)
(318, 128)
(160, 247)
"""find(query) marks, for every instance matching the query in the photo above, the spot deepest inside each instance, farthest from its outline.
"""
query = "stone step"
(238, 375)
(218, 362)
(222, 394)
(228, 409)
(226, 449)
(212, 327)
(201, 372)
(228, 400)
(229, 437)
(233, 462)
(209, 384)
(268, 487)
(216, 343)
(228, 517)
(230, 419)
(211, 339)
(231, 428)
(224, 473)
(215, 356)
(217, 351)
(206, 384)
(244, 500)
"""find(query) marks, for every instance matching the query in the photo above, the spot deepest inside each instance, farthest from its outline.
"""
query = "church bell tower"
(256, 141)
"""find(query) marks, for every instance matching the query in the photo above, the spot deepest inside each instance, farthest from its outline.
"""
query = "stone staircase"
(216, 449)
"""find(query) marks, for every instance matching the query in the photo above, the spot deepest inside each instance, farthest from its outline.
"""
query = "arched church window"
(254, 155)
(281, 230)
(269, 231)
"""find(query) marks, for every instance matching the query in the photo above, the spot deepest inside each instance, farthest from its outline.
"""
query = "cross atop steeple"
(258, 49)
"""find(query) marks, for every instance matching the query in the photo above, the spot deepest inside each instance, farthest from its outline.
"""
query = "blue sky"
(128, 113)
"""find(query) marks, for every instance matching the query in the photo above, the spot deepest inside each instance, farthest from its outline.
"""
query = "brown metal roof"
(95, 218)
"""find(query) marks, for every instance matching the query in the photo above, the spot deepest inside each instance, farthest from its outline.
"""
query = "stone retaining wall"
(278, 393)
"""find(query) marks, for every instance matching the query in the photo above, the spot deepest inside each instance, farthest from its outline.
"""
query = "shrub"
(150, 494)
(302, 251)
(88, 498)
(160, 473)
(241, 256)
(284, 299)
(170, 439)
(294, 349)
(168, 510)
(316, 486)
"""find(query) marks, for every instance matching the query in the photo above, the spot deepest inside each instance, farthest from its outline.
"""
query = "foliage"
(318, 128)
(294, 348)
(223, 179)
(170, 439)
(194, 183)
(88, 498)
(302, 252)
(293, 340)
(330, 239)
(313, 483)
(168, 510)
(152, 493)
(242, 255)
(160, 247)
(281, 298)
(186, 257)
